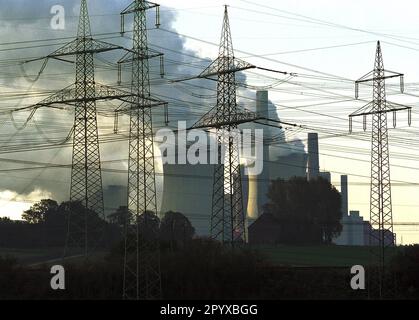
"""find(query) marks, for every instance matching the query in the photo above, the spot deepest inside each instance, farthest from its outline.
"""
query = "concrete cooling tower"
(188, 189)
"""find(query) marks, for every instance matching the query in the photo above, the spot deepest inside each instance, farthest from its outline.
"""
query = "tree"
(149, 224)
(40, 211)
(78, 214)
(176, 228)
(404, 266)
(120, 216)
(5, 220)
(308, 211)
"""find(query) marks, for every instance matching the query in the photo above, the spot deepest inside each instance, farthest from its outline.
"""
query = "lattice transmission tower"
(381, 216)
(142, 278)
(85, 231)
(228, 223)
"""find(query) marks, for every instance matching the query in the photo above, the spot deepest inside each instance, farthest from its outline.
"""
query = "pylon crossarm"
(215, 69)
(144, 5)
(70, 49)
(218, 67)
(132, 55)
(392, 106)
(221, 125)
(386, 107)
(76, 47)
(68, 96)
(33, 108)
(130, 105)
(211, 120)
(390, 76)
(104, 92)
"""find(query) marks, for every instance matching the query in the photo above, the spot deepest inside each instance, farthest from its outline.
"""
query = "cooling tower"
(114, 197)
(289, 166)
(188, 189)
(313, 156)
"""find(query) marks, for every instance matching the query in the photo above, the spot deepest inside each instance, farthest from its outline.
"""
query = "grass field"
(29, 256)
(47, 256)
(327, 256)
(281, 255)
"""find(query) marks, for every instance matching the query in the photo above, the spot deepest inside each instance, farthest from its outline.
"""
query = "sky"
(325, 44)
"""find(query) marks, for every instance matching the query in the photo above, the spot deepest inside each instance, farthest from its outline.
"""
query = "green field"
(327, 256)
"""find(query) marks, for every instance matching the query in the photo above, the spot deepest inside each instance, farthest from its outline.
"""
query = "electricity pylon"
(142, 253)
(84, 229)
(381, 216)
(227, 218)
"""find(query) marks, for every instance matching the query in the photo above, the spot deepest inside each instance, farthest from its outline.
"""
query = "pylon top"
(377, 76)
(226, 44)
(379, 64)
(378, 50)
(84, 21)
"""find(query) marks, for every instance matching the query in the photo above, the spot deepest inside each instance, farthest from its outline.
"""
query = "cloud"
(12, 203)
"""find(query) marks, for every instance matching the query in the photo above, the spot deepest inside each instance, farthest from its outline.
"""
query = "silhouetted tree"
(6, 220)
(405, 266)
(149, 224)
(40, 211)
(120, 216)
(308, 211)
(176, 229)
(77, 210)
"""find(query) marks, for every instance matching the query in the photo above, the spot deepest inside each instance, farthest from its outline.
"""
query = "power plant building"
(188, 188)
(355, 230)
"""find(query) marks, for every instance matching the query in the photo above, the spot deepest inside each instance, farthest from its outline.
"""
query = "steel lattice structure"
(381, 217)
(227, 220)
(84, 234)
(142, 258)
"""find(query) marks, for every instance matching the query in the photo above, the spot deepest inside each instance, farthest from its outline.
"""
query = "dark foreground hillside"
(204, 270)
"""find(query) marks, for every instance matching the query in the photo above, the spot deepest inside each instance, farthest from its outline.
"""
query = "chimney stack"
(313, 156)
(258, 186)
(344, 194)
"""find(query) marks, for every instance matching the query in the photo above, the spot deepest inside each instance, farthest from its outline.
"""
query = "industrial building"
(355, 230)
(188, 188)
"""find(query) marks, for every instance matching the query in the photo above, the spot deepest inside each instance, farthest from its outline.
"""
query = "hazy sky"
(324, 43)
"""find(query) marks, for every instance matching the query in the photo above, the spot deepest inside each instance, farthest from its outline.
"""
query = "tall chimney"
(313, 156)
(344, 194)
(259, 185)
